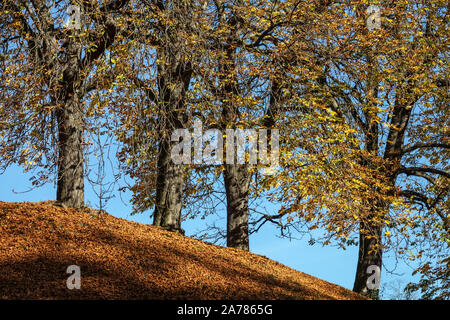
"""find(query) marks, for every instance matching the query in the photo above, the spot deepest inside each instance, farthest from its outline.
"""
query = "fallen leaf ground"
(121, 259)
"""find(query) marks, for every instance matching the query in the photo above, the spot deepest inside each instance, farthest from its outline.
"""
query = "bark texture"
(169, 187)
(70, 185)
(237, 182)
(63, 63)
(174, 76)
(368, 255)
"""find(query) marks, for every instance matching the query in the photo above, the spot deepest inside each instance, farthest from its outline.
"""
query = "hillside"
(120, 259)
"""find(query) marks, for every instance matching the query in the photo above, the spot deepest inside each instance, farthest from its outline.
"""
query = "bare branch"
(418, 171)
(425, 145)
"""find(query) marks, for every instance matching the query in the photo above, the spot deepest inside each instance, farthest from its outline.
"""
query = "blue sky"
(328, 263)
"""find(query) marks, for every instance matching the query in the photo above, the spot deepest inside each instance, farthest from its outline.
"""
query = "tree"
(371, 153)
(47, 70)
(243, 42)
(164, 68)
(219, 93)
(236, 176)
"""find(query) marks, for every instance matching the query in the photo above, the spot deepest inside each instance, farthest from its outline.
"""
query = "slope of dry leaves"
(120, 259)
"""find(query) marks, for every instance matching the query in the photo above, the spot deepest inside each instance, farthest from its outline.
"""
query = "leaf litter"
(122, 259)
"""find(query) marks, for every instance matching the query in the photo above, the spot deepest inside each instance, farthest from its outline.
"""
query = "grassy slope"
(120, 259)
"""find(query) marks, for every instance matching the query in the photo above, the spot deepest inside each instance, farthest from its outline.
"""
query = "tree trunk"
(174, 77)
(70, 184)
(237, 184)
(169, 187)
(368, 257)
